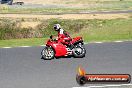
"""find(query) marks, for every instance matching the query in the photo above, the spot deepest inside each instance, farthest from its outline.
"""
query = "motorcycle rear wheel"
(79, 51)
(48, 53)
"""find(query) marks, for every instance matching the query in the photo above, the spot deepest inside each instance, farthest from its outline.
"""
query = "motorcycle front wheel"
(48, 53)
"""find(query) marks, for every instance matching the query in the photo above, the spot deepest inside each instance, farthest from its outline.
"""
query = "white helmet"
(57, 27)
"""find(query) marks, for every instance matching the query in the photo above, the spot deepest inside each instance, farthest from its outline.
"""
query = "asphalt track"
(24, 68)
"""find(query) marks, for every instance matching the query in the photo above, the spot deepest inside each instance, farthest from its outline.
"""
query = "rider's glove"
(51, 37)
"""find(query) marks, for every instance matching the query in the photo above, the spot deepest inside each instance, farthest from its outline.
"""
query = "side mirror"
(51, 37)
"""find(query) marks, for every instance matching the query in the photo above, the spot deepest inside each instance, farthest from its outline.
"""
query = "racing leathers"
(63, 37)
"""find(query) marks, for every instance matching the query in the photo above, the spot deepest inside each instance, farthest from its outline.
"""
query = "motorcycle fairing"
(60, 49)
(77, 39)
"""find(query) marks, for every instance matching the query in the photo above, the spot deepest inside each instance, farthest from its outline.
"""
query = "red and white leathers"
(63, 37)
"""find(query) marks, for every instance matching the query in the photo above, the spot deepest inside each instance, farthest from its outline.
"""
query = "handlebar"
(51, 37)
(53, 40)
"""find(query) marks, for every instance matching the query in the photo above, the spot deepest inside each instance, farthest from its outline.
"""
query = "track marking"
(7, 47)
(45, 45)
(95, 86)
(24, 46)
(118, 41)
(112, 85)
(98, 42)
(42, 45)
(105, 86)
(20, 46)
(127, 84)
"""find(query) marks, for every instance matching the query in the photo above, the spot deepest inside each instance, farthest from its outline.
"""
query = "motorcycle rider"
(63, 36)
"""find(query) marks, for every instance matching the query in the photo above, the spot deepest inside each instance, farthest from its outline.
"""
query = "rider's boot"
(71, 46)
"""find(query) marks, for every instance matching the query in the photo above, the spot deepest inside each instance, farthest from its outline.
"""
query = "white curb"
(6, 47)
(104, 86)
(118, 41)
(24, 46)
(98, 42)
(84, 43)
(42, 45)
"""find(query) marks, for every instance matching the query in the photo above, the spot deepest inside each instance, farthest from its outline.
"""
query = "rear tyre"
(48, 53)
(79, 51)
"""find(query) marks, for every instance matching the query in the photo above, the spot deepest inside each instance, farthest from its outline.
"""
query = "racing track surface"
(23, 68)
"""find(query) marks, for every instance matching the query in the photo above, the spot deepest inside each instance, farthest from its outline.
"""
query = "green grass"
(23, 42)
(91, 30)
(10, 29)
(108, 30)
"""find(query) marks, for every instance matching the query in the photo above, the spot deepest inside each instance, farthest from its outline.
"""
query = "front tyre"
(79, 51)
(48, 53)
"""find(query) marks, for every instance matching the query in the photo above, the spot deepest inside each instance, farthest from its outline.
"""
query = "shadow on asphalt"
(62, 57)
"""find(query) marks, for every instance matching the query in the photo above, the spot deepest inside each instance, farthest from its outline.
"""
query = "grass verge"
(107, 30)
(91, 30)
(23, 42)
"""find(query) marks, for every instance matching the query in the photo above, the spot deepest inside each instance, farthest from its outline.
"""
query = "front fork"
(80, 44)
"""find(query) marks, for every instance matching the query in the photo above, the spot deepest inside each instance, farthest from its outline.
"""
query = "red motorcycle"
(56, 49)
